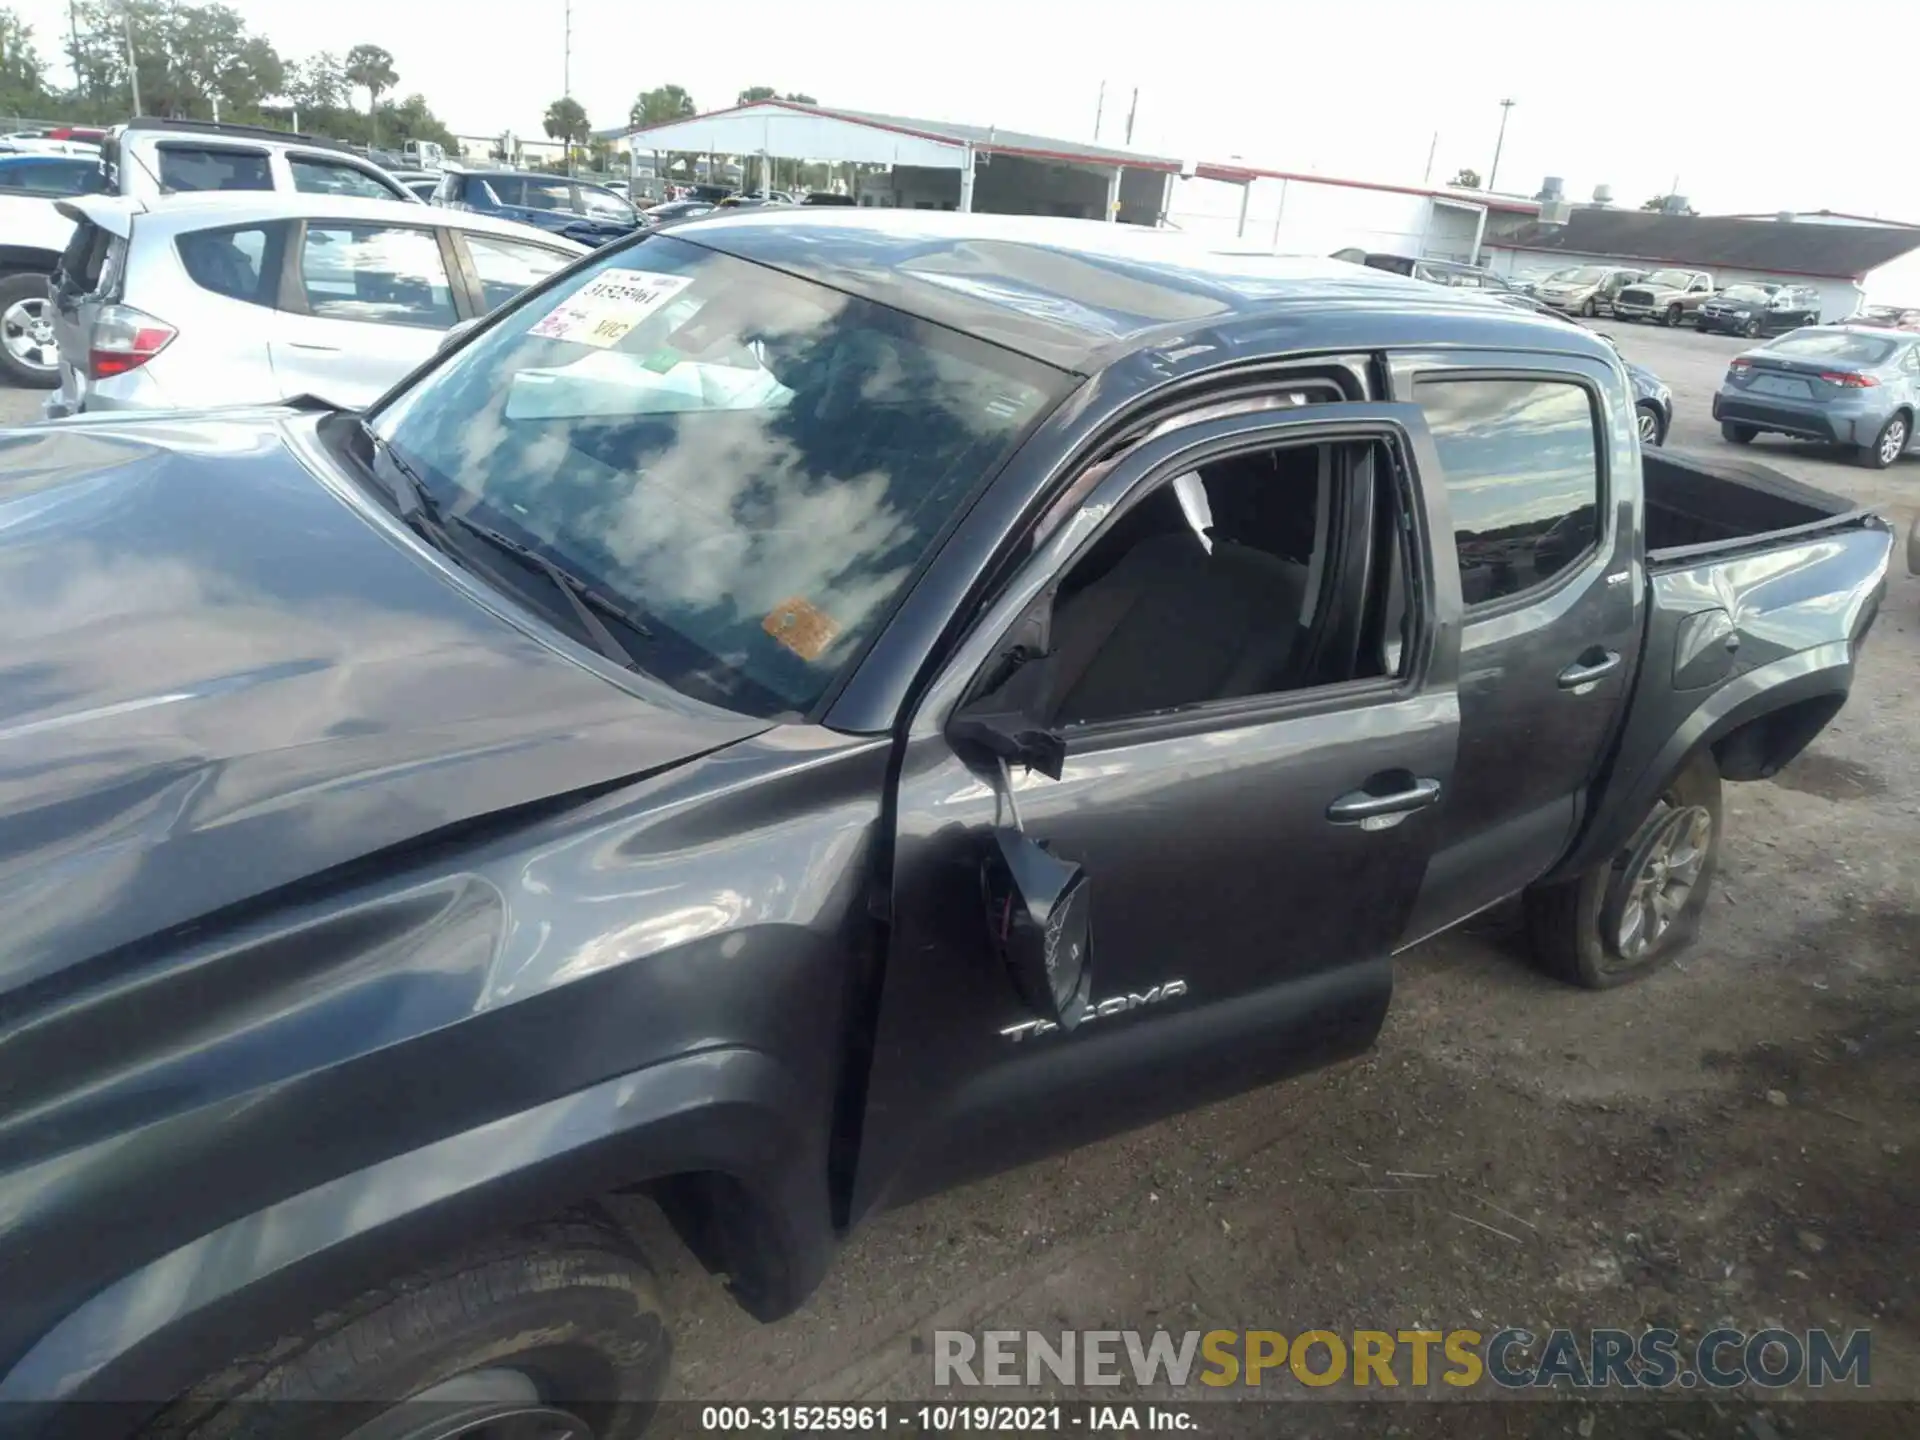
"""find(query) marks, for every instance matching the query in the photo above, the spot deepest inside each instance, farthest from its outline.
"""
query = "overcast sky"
(1756, 106)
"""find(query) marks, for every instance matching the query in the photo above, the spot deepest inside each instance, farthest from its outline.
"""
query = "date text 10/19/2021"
(943, 1419)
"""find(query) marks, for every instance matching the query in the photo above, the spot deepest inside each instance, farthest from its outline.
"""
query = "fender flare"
(157, 1331)
(1821, 672)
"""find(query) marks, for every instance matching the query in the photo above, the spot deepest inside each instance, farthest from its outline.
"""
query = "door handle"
(1584, 672)
(1376, 812)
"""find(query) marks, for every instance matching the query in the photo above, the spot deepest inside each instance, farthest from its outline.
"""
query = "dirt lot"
(1735, 1141)
(1625, 1143)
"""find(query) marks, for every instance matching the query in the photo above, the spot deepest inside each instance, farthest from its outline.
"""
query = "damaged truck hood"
(221, 673)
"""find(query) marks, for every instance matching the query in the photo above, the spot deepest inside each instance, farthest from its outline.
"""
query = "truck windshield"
(1671, 279)
(755, 464)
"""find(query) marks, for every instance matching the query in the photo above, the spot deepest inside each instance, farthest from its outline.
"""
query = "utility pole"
(133, 65)
(73, 30)
(566, 76)
(1132, 111)
(1427, 179)
(1494, 173)
(1099, 108)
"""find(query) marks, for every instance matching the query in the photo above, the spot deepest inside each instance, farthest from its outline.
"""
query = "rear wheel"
(1621, 919)
(28, 354)
(1738, 434)
(1889, 445)
(556, 1334)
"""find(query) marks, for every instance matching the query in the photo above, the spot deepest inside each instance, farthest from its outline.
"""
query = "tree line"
(202, 62)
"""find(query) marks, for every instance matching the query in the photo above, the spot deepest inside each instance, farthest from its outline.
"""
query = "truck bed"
(1697, 503)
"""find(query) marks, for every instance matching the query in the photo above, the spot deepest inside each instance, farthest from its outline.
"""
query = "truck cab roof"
(1079, 294)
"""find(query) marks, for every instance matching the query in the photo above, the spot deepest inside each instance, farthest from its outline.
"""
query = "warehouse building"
(1849, 260)
(943, 165)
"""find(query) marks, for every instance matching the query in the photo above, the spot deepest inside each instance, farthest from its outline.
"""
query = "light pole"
(133, 65)
(1494, 173)
(566, 78)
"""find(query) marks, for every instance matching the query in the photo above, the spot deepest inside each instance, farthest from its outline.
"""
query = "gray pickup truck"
(791, 714)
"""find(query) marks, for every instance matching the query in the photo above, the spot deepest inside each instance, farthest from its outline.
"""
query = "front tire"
(558, 1331)
(1889, 445)
(1589, 309)
(1624, 917)
(1674, 316)
(1737, 434)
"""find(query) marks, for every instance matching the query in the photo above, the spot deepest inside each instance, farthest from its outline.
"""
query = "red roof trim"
(1669, 260)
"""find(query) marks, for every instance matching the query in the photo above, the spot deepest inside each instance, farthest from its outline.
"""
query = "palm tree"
(566, 121)
(371, 67)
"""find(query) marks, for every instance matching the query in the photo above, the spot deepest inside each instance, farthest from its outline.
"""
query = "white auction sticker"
(607, 307)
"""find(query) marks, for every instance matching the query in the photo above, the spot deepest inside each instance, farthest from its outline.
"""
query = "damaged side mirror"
(1036, 904)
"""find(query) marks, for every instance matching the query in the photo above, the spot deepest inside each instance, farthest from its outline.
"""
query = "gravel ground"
(1734, 1141)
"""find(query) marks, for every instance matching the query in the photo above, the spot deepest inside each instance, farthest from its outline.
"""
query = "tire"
(1890, 444)
(1674, 316)
(1589, 309)
(1577, 928)
(1646, 418)
(24, 342)
(563, 1319)
(1738, 434)
(1752, 332)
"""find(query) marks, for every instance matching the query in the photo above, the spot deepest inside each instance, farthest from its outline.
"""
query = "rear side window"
(334, 177)
(241, 264)
(200, 167)
(382, 274)
(51, 177)
(83, 265)
(1523, 478)
(506, 267)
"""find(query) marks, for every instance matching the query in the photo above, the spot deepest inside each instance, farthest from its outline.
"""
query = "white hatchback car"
(232, 299)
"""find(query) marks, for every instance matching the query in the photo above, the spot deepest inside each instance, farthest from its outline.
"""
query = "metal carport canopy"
(775, 129)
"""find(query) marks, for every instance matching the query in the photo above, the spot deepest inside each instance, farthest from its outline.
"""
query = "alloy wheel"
(479, 1405)
(1893, 440)
(1649, 426)
(26, 329)
(1659, 878)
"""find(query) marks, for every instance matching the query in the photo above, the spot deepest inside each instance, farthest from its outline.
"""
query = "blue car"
(1857, 388)
(590, 214)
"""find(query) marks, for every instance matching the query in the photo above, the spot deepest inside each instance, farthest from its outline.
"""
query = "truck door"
(1250, 667)
(1542, 473)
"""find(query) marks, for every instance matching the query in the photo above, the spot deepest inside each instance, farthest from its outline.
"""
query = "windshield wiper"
(581, 596)
(417, 506)
(422, 512)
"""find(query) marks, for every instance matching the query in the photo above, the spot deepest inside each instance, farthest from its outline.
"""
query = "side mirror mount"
(459, 331)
